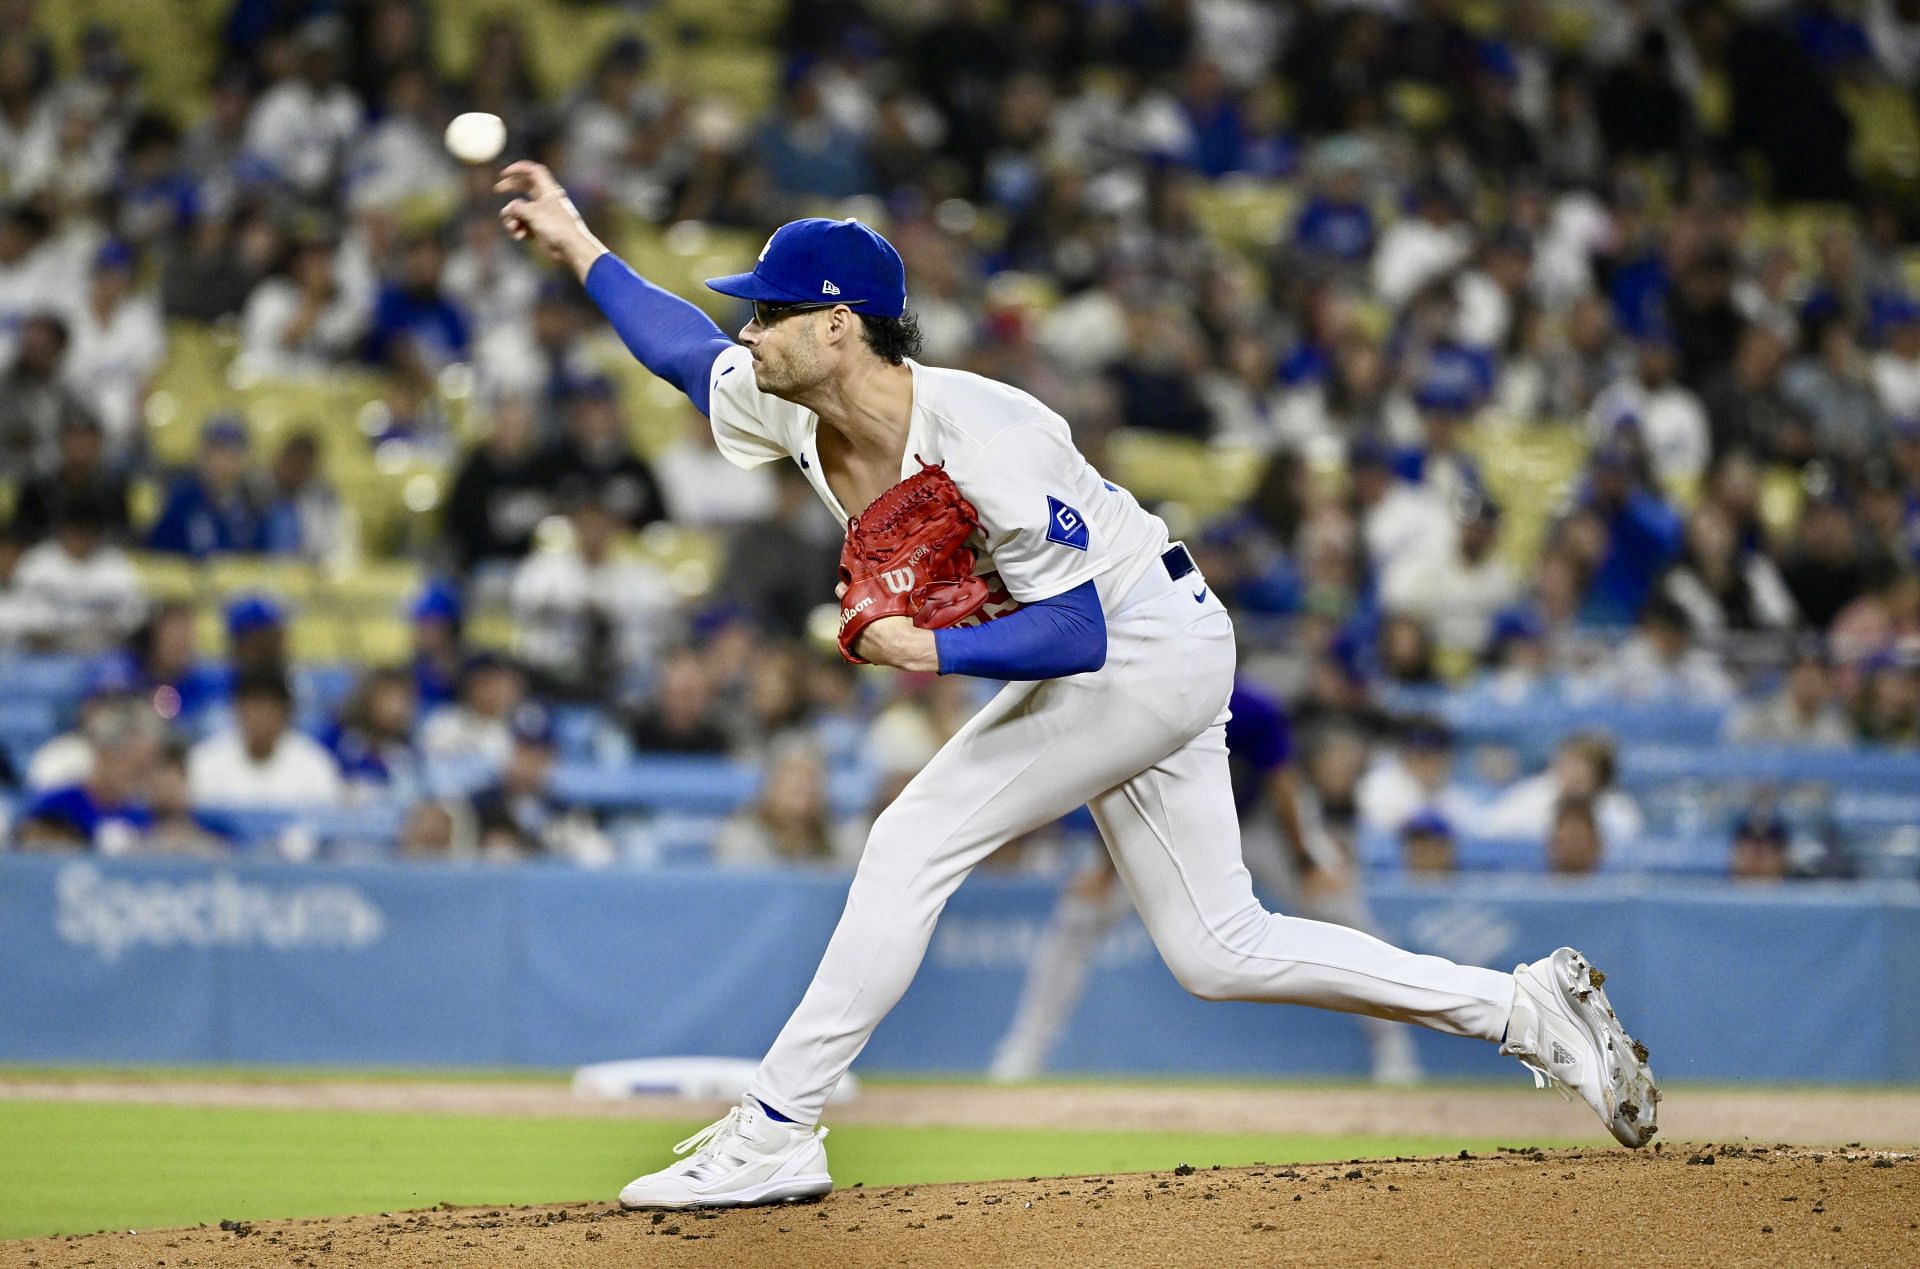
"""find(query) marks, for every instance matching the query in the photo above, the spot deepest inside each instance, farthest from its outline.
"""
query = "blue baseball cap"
(1427, 823)
(114, 254)
(819, 261)
(225, 428)
(253, 612)
(1517, 624)
(437, 601)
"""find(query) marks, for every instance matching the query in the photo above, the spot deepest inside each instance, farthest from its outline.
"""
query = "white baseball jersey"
(1048, 522)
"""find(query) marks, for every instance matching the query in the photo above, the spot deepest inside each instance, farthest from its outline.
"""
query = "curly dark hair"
(893, 339)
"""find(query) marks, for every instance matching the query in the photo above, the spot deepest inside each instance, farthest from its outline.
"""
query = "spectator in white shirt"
(1422, 246)
(401, 156)
(1407, 527)
(261, 761)
(302, 124)
(36, 275)
(1660, 662)
(478, 726)
(493, 280)
(704, 490)
(1417, 778)
(1459, 597)
(118, 343)
(588, 615)
(1671, 421)
(302, 322)
(85, 592)
(68, 758)
(1803, 712)
(1583, 769)
(1896, 368)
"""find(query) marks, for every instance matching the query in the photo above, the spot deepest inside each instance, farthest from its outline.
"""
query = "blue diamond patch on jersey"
(1065, 525)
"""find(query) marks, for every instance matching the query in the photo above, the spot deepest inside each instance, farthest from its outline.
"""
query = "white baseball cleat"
(745, 1159)
(1565, 1032)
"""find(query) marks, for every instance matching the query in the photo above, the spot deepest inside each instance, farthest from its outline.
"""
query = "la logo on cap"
(828, 288)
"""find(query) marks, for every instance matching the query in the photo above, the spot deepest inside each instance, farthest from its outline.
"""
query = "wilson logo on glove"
(906, 555)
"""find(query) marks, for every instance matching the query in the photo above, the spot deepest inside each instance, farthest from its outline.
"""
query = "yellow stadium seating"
(1420, 107)
(1204, 479)
(170, 578)
(1246, 215)
(1886, 131)
(1530, 472)
(289, 580)
(692, 558)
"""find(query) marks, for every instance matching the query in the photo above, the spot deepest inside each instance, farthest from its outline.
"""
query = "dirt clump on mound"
(1732, 1205)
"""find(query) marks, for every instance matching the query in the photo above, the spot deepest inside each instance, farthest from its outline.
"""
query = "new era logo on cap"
(828, 288)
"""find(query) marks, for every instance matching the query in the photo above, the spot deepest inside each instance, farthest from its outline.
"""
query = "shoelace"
(1528, 1051)
(708, 1137)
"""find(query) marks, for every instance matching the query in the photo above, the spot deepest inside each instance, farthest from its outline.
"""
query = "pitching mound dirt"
(1686, 1205)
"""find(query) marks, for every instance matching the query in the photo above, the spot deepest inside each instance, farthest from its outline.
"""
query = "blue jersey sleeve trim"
(1065, 634)
(670, 337)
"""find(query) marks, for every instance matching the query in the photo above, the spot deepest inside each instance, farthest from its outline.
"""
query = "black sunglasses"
(766, 312)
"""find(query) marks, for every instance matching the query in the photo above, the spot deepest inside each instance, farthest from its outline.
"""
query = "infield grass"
(80, 1167)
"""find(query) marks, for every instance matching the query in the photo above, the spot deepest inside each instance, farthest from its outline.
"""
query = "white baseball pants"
(1142, 741)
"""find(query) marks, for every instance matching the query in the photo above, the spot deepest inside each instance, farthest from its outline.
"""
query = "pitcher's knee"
(1208, 977)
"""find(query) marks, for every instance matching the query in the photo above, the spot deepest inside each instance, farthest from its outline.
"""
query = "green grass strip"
(80, 1167)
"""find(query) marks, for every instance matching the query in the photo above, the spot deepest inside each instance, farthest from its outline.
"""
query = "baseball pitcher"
(1119, 661)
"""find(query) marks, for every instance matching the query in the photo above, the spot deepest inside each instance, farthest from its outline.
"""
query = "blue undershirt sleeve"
(1061, 635)
(671, 337)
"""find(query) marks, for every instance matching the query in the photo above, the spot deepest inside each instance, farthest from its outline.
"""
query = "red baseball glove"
(906, 556)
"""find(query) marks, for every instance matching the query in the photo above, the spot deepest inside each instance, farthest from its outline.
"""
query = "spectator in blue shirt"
(256, 644)
(305, 517)
(1215, 120)
(1629, 535)
(1337, 224)
(439, 620)
(105, 811)
(1447, 397)
(372, 740)
(160, 661)
(213, 509)
(416, 327)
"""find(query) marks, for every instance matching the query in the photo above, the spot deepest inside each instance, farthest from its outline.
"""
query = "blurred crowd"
(1504, 220)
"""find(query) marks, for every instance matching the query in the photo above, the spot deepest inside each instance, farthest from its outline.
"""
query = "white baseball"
(476, 137)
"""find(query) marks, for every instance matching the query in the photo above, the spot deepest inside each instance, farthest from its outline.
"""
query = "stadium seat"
(1248, 216)
(170, 578)
(1205, 479)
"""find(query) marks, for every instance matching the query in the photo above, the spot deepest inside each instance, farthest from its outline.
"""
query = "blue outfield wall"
(179, 962)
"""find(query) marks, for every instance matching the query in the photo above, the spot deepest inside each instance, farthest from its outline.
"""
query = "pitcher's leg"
(1176, 844)
(1025, 760)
